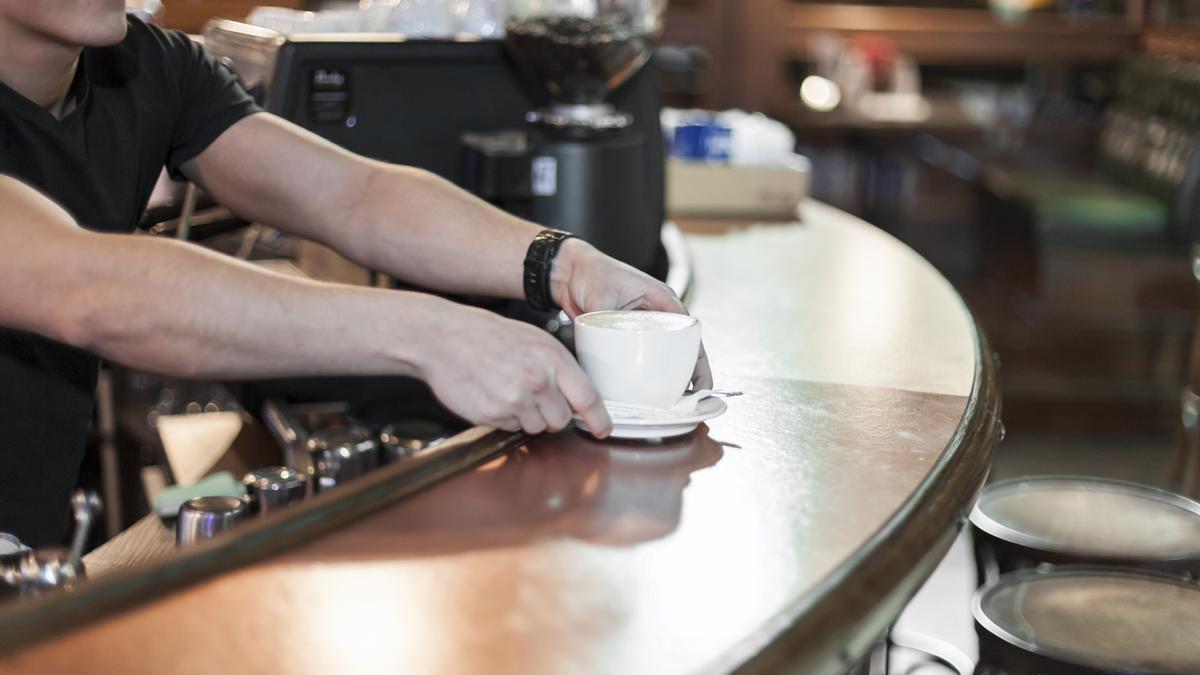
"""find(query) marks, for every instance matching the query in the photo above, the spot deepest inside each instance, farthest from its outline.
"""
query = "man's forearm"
(420, 228)
(402, 221)
(179, 310)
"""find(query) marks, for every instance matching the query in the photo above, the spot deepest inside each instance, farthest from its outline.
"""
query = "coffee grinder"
(580, 165)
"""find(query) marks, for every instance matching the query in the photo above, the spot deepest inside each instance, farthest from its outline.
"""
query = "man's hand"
(585, 280)
(507, 374)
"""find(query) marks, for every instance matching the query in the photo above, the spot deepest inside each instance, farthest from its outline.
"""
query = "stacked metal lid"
(1095, 620)
(1064, 520)
(1087, 575)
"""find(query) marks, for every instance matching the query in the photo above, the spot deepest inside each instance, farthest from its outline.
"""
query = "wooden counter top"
(785, 535)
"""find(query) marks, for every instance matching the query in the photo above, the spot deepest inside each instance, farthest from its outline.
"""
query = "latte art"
(638, 320)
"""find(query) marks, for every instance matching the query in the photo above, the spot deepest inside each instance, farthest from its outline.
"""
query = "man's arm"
(404, 221)
(177, 309)
(174, 308)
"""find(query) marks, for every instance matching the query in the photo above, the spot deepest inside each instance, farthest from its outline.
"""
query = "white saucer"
(663, 423)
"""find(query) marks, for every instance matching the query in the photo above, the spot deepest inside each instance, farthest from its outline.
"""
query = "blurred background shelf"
(960, 36)
(1182, 41)
(753, 43)
(191, 15)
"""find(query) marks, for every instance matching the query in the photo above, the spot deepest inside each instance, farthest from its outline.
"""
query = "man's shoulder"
(146, 50)
(148, 36)
(150, 41)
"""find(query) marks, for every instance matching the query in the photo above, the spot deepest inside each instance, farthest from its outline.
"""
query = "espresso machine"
(558, 122)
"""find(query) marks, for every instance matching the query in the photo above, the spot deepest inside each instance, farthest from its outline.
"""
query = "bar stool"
(1062, 520)
(1088, 621)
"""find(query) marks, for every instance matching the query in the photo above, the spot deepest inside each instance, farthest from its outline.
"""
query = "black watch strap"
(539, 260)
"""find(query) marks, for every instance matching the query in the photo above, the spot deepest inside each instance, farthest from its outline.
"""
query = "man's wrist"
(539, 263)
(417, 350)
(562, 267)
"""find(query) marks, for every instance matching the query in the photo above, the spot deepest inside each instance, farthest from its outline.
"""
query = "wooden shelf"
(1183, 42)
(964, 36)
(773, 33)
(191, 15)
(947, 118)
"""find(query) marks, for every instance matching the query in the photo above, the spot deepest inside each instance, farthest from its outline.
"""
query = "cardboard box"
(700, 190)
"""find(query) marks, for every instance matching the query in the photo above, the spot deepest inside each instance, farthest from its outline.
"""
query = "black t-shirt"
(155, 99)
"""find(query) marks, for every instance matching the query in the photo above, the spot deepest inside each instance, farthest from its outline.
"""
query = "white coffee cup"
(640, 357)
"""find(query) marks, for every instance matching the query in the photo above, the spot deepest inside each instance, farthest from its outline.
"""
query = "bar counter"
(783, 536)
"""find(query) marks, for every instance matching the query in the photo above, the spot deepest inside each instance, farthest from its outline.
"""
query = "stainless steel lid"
(1115, 620)
(275, 478)
(1090, 517)
(355, 437)
(342, 453)
(202, 518)
(405, 438)
(275, 486)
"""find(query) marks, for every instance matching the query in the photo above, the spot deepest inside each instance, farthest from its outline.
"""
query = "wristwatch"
(539, 260)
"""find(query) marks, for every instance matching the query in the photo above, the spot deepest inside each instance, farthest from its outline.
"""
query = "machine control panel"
(329, 95)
